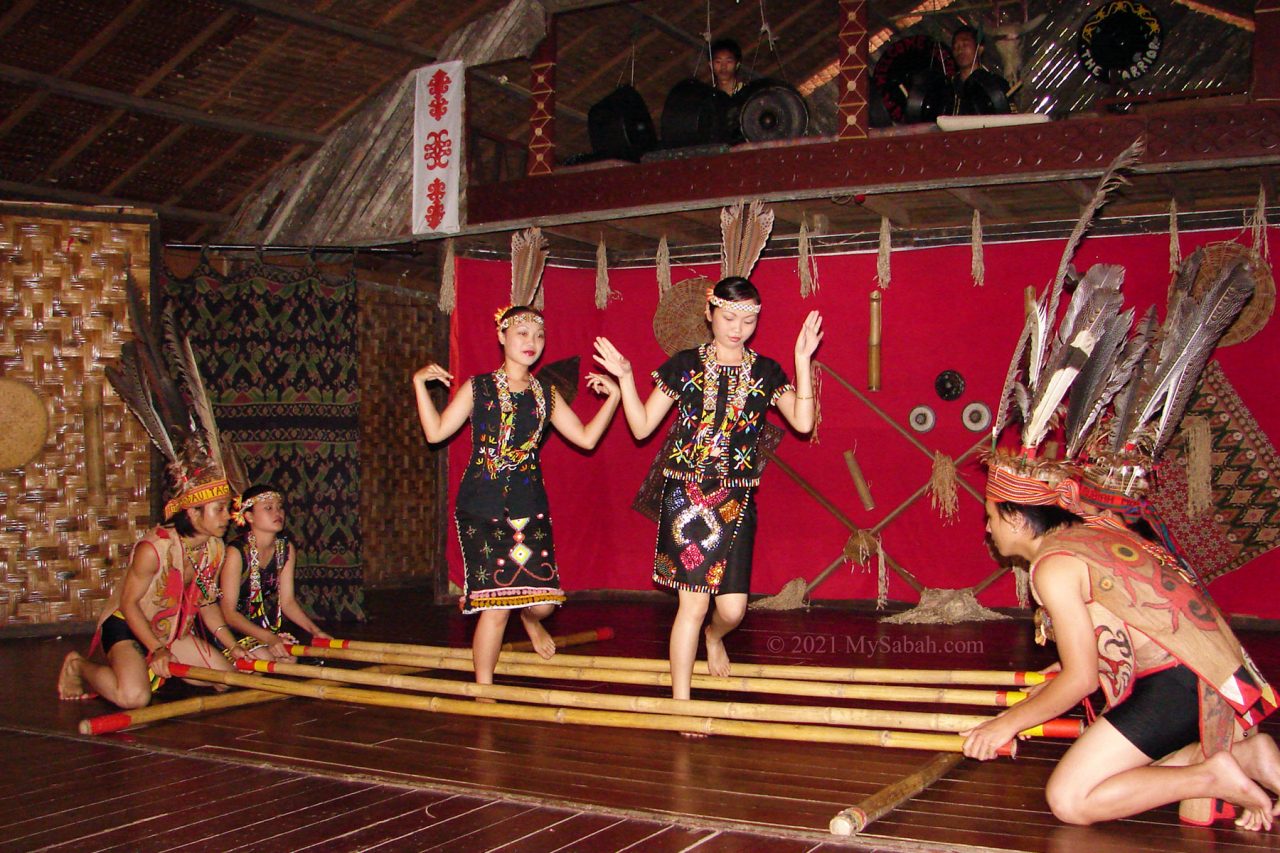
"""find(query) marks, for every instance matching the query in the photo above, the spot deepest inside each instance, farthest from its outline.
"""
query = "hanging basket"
(1257, 311)
(680, 322)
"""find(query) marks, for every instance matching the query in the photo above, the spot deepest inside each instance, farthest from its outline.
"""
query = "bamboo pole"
(915, 720)
(121, 720)
(855, 818)
(872, 675)
(618, 719)
(873, 343)
(859, 481)
(783, 686)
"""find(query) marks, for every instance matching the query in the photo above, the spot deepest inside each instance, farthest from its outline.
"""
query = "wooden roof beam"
(181, 115)
(86, 52)
(364, 35)
(980, 201)
(884, 205)
(43, 193)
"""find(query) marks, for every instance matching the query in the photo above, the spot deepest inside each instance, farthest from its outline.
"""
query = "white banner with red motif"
(437, 147)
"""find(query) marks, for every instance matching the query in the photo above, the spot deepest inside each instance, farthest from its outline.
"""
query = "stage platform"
(301, 774)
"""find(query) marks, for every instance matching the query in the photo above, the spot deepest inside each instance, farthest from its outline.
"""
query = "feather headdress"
(528, 257)
(161, 385)
(744, 233)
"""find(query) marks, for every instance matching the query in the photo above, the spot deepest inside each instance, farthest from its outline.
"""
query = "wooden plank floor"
(306, 775)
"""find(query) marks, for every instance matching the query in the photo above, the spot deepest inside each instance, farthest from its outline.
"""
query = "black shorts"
(1162, 714)
(116, 630)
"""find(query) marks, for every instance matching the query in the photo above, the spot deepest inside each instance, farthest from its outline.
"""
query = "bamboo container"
(873, 344)
(859, 482)
(95, 461)
(781, 686)
(871, 675)
(916, 720)
(618, 719)
(108, 723)
(855, 819)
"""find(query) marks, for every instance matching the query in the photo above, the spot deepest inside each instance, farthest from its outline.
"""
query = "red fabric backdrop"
(935, 319)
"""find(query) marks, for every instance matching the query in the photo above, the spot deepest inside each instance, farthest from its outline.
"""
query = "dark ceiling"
(189, 106)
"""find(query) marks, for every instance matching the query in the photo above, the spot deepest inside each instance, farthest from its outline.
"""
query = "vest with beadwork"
(1136, 586)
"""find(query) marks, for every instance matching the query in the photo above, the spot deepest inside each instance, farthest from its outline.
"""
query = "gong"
(619, 125)
(694, 114)
(912, 77)
(770, 109)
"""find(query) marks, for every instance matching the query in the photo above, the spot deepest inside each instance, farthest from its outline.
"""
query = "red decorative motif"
(437, 150)
(435, 209)
(438, 86)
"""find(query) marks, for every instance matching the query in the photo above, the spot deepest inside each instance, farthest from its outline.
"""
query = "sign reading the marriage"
(437, 148)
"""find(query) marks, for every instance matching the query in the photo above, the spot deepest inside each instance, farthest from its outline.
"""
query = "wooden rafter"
(86, 52)
(183, 115)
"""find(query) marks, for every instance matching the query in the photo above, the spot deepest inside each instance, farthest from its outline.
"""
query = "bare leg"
(684, 640)
(531, 618)
(123, 681)
(1103, 777)
(487, 643)
(726, 616)
(196, 652)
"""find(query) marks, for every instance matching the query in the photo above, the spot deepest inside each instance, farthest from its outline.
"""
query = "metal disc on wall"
(949, 385)
(24, 423)
(922, 419)
(976, 417)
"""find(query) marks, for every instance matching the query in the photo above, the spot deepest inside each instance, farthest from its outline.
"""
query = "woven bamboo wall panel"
(67, 531)
(403, 500)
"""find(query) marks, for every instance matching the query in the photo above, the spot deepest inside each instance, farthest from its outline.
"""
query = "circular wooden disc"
(680, 322)
(24, 423)
(1257, 311)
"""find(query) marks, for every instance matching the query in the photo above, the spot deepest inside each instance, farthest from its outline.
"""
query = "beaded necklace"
(505, 457)
(710, 440)
(203, 577)
(257, 605)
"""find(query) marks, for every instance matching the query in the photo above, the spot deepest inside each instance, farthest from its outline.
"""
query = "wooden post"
(542, 121)
(851, 99)
(95, 462)
(1265, 82)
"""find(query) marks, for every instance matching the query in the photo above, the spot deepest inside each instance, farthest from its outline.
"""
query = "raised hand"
(603, 385)
(608, 357)
(433, 373)
(810, 336)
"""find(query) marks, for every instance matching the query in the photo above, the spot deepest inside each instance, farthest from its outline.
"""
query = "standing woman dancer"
(705, 535)
(504, 524)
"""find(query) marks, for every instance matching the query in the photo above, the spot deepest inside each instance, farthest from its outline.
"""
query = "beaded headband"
(243, 506)
(197, 493)
(745, 307)
(503, 322)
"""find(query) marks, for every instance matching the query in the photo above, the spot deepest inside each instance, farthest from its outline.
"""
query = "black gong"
(619, 125)
(770, 109)
(912, 76)
(694, 114)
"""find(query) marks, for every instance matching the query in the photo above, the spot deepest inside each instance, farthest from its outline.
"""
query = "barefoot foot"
(70, 684)
(1236, 787)
(542, 641)
(717, 657)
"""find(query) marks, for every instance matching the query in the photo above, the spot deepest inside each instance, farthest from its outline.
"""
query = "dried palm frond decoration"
(1175, 248)
(882, 255)
(1257, 225)
(942, 487)
(1199, 465)
(448, 286)
(603, 292)
(528, 257)
(744, 231)
(663, 262)
(977, 266)
(807, 264)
